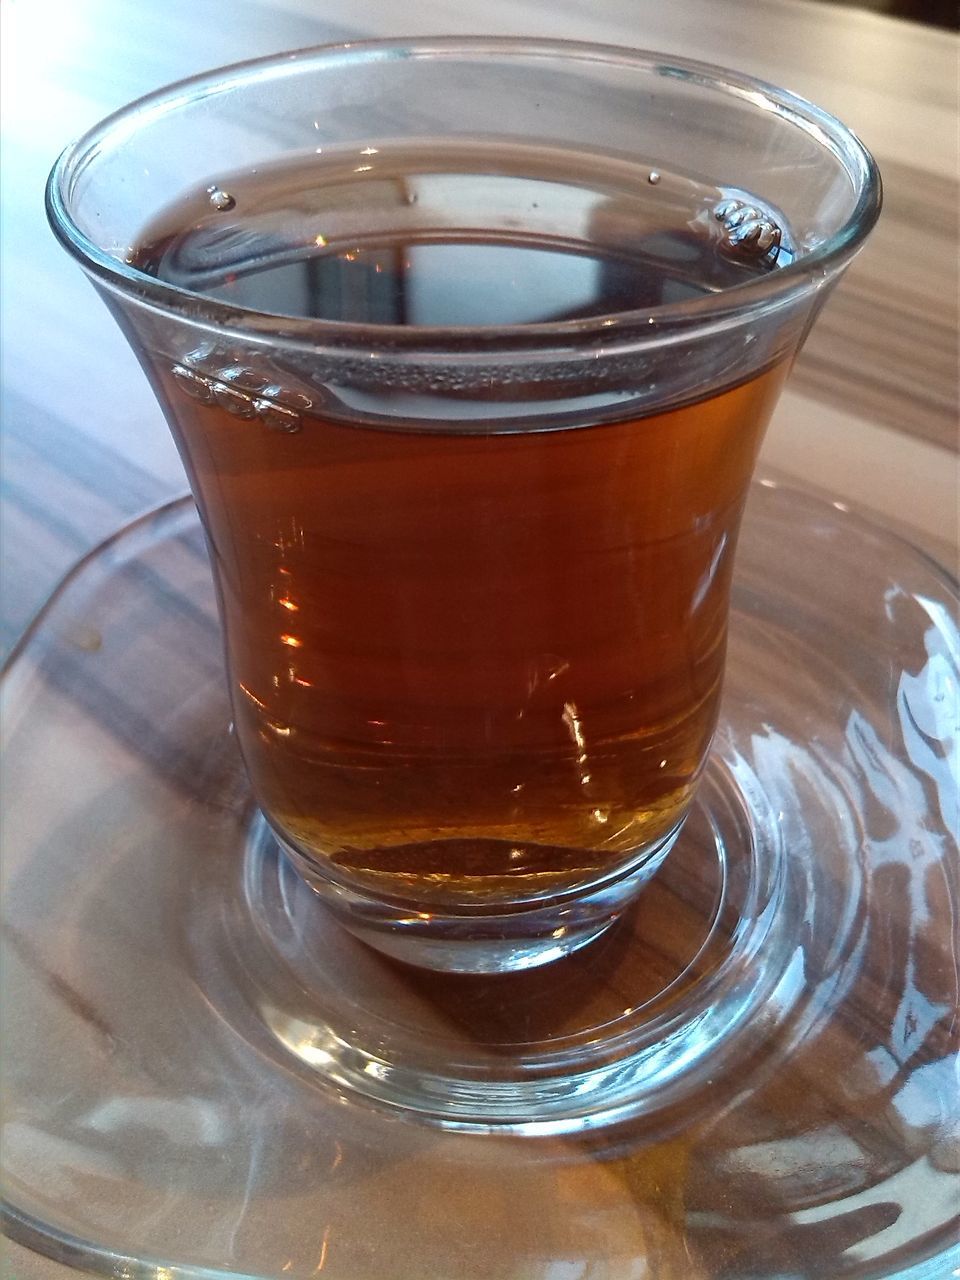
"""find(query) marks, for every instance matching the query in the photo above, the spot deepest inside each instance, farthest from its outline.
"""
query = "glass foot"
(617, 1028)
(483, 942)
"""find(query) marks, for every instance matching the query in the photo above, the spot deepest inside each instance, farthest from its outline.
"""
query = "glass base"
(750, 1072)
(484, 941)
(611, 1030)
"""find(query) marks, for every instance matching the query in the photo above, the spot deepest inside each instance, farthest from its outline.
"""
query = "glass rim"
(616, 328)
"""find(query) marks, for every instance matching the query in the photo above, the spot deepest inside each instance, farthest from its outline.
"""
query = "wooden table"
(871, 414)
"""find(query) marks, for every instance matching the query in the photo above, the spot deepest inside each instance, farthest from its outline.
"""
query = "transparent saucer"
(752, 1075)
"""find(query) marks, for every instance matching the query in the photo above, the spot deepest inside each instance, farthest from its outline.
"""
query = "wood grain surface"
(871, 413)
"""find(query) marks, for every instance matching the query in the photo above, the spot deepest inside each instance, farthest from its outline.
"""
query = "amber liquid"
(466, 664)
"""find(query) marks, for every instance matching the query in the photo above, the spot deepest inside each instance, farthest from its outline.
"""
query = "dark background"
(937, 13)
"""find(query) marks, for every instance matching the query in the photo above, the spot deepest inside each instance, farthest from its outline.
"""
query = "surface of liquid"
(481, 664)
(476, 236)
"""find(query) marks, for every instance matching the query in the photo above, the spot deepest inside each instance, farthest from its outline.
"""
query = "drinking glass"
(468, 347)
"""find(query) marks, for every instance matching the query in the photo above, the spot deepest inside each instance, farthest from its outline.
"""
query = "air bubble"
(193, 384)
(222, 201)
(243, 377)
(750, 231)
(235, 402)
(276, 417)
(653, 177)
(289, 399)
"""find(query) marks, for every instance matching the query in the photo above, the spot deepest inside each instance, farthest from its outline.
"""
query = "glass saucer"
(752, 1075)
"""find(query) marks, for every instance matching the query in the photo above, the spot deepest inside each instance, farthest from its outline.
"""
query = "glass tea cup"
(468, 347)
